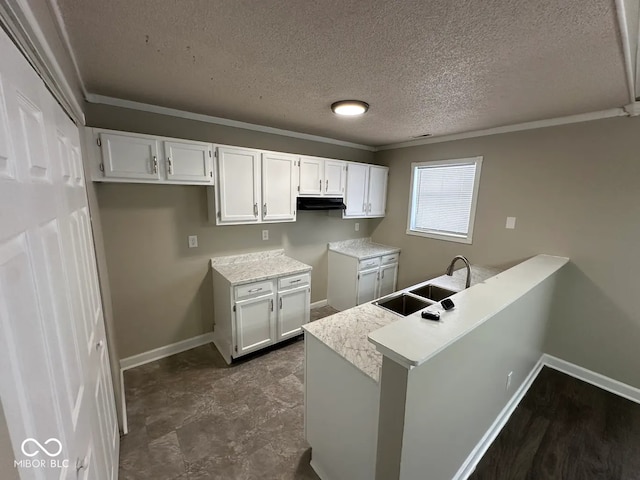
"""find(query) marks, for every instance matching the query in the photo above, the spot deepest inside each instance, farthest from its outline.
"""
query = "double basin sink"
(406, 303)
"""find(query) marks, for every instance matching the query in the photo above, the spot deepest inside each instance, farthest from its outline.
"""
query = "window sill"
(440, 236)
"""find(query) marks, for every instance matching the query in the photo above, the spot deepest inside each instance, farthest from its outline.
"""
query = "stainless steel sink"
(432, 292)
(403, 304)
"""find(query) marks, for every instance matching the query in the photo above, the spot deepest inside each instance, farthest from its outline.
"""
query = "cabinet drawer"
(253, 289)
(369, 263)
(393, 258)
(294, 281)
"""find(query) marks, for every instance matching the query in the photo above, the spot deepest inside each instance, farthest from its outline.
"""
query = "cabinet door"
(388, 278)
(334, 178)
(367, 286)
(293, 311)
(377, 202)
(129, 157)
(254, 324)
(238, 185)
(279, 184)
(189, 162)
(356, 190)
(311, 176)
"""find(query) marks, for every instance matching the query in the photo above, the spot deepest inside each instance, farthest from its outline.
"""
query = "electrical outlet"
(193, 241)
(265, 234)
(357, 227)
(508, 385)
(511, 223)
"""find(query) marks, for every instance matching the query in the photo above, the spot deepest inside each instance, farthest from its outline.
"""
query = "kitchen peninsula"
(399, 385)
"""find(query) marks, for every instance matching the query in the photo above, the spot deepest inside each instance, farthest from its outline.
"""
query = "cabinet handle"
(253, 290)
(99, 345)
(383, 274)
(369, 209)
(265, 209)
(321, 185)
(255, 209)
(272, 304)
(155, 164)
(280, 303)
(326, 185)
(170, 165)
(296, 281)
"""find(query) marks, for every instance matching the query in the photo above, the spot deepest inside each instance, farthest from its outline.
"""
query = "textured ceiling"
(438, 67)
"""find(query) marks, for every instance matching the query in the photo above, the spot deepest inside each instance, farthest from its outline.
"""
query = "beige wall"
(575, 191)
(161, 290)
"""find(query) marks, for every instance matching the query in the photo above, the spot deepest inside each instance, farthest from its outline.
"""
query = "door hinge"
(99, 142)
(102, 167)
(234, 308)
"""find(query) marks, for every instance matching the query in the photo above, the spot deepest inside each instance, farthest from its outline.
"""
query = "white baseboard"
(609, 384)
(166, 351)
(576, 371)
(481, 448)
(123, 404)
(319, 303)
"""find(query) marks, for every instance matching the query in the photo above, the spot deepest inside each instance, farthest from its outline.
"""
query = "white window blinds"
(443, 197)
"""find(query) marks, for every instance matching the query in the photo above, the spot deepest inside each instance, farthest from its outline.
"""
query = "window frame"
(435, 234)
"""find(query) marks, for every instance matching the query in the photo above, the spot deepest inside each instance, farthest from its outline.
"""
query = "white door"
(129, 157)
(377, 191)
(311, 176)
(367, 286)
(356, 190)
(293, 311)
(238, 185)
(279, 185)
(255, 325)
(189, 162)
(388, 277)
(334, 178)
(54, 371)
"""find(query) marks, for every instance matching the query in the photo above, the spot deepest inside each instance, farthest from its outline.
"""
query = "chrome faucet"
(466, 262)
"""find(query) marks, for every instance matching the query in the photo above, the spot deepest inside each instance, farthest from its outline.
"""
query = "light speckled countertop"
(361, 248)
(347, 332)
(253, 267)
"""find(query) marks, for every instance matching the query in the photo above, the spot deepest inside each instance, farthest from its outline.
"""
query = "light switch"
(193, 241)
(511, 223)
(357, 227)
(265, 234)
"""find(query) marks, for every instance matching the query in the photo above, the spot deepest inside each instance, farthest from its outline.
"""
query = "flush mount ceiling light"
(349, 108)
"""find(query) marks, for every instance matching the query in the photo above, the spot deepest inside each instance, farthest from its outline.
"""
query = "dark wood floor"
(566, 429)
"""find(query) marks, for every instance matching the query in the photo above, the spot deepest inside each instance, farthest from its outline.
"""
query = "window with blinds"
(443, 199)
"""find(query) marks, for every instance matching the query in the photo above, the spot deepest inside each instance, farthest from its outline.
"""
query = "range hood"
(321, 203)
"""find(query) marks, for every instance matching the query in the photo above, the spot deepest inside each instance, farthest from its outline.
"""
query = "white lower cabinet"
(388, 279)
(254, 323)
(367, 286)
(354, 282)
(255, 315)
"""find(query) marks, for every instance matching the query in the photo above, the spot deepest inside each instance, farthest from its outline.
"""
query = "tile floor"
(192, 417)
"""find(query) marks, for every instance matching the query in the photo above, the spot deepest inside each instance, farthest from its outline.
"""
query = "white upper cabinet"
(279, 186)
(189, 162)
(137, 158)
(357, 189)
(377, 191)
(321, 177)
(335, 175)
(129, 157)
(311, 176)
(238, 187)
(366, 191)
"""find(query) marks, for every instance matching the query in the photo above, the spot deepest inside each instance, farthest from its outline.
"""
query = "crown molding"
(551, 122)
(146, 107)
